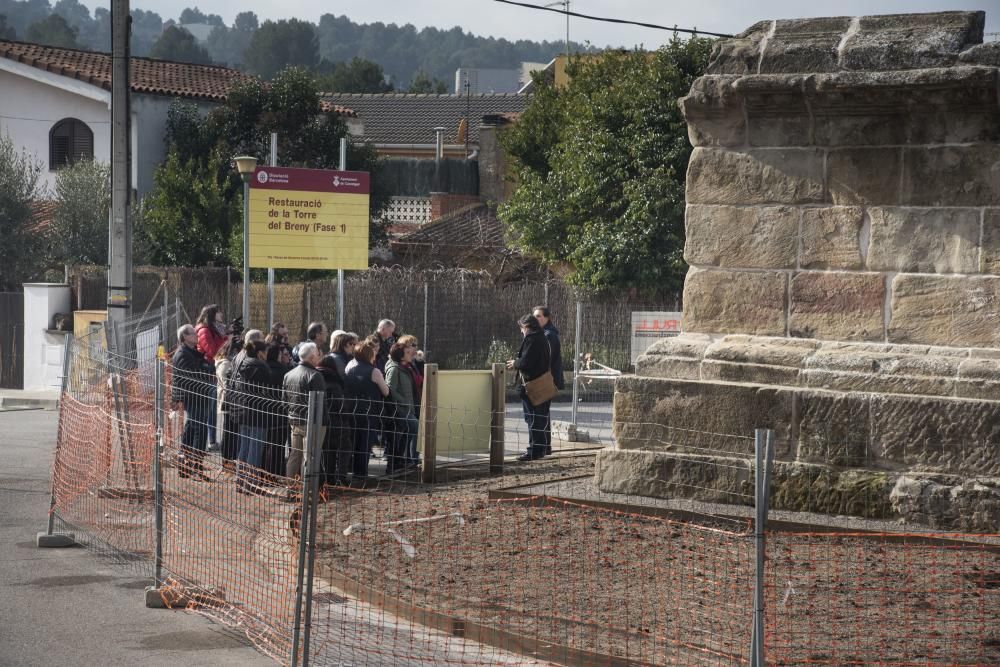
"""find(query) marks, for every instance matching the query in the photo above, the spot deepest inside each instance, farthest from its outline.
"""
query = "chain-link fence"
(313, 529)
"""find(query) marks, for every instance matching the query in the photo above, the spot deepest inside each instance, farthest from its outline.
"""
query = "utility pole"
(340, 272)
(270, 272)
(120, 226)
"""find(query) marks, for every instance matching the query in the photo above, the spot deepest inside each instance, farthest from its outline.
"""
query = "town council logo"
(336, 181)
(262, 177)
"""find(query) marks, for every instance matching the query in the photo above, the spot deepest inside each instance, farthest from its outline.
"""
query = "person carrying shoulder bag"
(535, 385)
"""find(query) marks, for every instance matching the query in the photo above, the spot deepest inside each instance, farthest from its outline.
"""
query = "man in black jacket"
(544, 317)
(533, 361)
(192, 381)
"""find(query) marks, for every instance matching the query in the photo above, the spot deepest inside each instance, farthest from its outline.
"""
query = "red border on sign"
(310, 180)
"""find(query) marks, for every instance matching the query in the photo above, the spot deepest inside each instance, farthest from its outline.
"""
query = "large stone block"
(727, 301)
(759, 176)
(833, 428)
(948, 502)
(699, 417)
(678, 357)
(740, 54)
(990, 257)
(864, 175)
(911, 41)
(727, 236)
(924, 240)
(951, 176)
(982, 54)
(804, 45)
(831, 238)
(979, 378)
(928, 434)
(877, 128)
(856, 369)
(838, 306)
(714, 112)
(754, 359)
(667, 475)
(961, 311)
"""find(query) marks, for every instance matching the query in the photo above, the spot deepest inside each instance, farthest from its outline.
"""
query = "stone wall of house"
(843, 237)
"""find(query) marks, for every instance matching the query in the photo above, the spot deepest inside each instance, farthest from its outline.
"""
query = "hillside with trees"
(342, 51)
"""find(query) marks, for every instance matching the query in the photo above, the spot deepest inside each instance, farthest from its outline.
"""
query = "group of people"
(248, 393)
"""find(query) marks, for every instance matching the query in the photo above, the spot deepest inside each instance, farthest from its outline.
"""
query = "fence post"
(426, 299)
(313, 467)
(270, 300)
(576, 360)
(309, 317)
(763, 459)
(50, 538)
(498, 413)
(153, 598)
(428, 423)
(311, 464)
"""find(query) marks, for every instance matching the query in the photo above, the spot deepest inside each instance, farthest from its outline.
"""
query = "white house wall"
(30, 108)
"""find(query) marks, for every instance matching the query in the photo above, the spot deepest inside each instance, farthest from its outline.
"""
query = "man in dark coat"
(544, 317)
(533, 361)
(385, 331)
(192, 380)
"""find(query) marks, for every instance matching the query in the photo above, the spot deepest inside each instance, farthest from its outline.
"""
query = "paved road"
(68, 606)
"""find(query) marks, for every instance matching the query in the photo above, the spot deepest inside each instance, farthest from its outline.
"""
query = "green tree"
(22, 250)
(226, 45)
(280, 44)
(187, 219)
(601, 167)
(147, 26)
(6, 31)
(195, 15)
(179, 45)
(54, 31)
(79, 231)
(423, 84)
(355, 76)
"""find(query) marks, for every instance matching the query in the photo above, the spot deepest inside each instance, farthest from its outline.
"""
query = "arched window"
(70, 141)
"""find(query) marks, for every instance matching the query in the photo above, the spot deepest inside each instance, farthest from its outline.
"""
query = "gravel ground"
(573, 580)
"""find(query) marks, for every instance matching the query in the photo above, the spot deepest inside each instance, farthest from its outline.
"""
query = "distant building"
(56, 105)
(494, 80)
(402, 124)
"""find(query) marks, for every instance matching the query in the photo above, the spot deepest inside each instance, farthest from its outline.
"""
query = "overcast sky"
(490, 18)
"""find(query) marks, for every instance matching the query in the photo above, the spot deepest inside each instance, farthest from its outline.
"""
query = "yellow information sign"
(308, 219)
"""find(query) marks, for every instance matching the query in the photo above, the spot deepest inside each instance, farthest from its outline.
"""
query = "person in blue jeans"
(533, 360)
(544, 317)
(256, 400)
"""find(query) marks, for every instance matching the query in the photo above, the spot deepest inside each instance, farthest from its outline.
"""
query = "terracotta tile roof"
(151, 76)
(408, 118)
(469, 228)
(42, 213)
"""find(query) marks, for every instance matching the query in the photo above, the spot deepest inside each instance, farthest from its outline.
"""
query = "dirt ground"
(584, 585)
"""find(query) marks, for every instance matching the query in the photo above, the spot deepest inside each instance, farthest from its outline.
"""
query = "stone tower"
(843, 237)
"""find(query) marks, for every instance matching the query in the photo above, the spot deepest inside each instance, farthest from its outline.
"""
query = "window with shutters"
(70, 141)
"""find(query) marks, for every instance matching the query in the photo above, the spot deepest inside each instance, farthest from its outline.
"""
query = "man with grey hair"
(385, 331)
(296, 386)
(191, 384)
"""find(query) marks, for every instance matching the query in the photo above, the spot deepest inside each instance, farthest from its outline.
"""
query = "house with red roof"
(56, 104)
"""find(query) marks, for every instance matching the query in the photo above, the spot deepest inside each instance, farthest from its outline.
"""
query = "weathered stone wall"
(845, 182)
(843, 237)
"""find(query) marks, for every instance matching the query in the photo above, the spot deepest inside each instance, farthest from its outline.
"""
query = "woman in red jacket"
(211, 331)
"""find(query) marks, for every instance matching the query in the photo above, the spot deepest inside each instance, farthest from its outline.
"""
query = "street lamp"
(245, 165)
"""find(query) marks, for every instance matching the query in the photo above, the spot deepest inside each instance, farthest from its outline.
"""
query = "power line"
(608, 20)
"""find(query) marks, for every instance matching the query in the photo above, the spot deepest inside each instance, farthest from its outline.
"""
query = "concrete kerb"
(19, 399)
